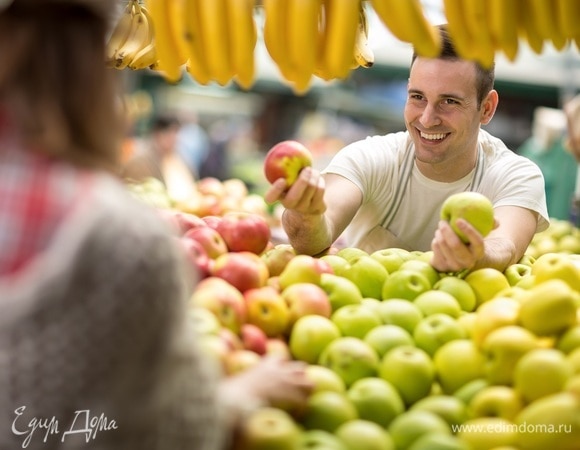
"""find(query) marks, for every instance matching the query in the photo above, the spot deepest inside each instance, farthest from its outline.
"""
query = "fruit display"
(215, 40)
(475, 360)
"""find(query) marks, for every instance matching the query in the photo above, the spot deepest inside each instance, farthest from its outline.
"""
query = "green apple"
(367, 273)
(486, 433)
(541, 372)
(400, 312)
(405, 284)
(351, 358)
(515, 273)
(338, 263)
(309, 337)
(435, 330)
(438, 302)
(503, 348)
(557, 265)
(350, 253)
(422, 267)
(466, 321)
(376, 400)
(569, 340)
(460, 289)
(550, 423)
(319, 440)
(324, 379)
(355, 320)
(495, 313)
(364, 434)
(269, 428)
(327, 410)
(449, 408)
(341, 291)
(391, 258)
(574, 358)
(549, 308)
(496, 401)
(438, 441)
(472, 207)
(459, 353)
(410, 370)
(372, 303)
(466, 392)
(408, 427)
(486, 283)
(385, 337)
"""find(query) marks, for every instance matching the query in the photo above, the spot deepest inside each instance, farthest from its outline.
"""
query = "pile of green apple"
(402, 356)
(560, 237)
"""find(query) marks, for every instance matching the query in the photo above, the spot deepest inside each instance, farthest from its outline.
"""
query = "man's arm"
(318, 209)
(505, 245)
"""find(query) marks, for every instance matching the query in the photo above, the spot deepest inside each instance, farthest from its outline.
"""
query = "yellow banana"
(475, 16)
(215, 37)
(140, 36)
(529, 31)
(243, 38)
(168, 63)
(196, 64)
(568, 12)
(546, 19)
(303, 20)
(145, 57)
(121, 32)
(463, 40)
(503, 18)
(363, 55)
(340, 36)
(275, 35)
(408, 23)
(177, 27)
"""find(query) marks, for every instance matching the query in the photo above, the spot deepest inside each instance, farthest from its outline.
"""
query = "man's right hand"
(305, 196)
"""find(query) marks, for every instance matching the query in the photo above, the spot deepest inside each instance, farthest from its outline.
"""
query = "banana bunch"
(324, 38)
(131, 43)
(480, 28)
(408, 23)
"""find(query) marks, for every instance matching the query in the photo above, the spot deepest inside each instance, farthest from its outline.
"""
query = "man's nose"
(430, 116)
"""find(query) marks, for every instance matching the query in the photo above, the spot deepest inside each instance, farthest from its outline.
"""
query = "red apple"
(222, 299)
(197, 258)
(254, 338)
(285, 160)
(212, 221)
(210, 240)
(211, 186)
(305, 299)
(244, 231)
(243, 270)
(231, 340)
(267, 310)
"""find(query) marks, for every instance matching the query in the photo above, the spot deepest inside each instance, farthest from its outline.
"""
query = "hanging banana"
(121, 32)
(503, 18)
(275, 35)
(196, 63)
(407, 22)
(243, 38)
(475, 16)
(140, 36)
(363, 55)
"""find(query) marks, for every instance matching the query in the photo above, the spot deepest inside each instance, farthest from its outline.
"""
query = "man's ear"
(489, 106)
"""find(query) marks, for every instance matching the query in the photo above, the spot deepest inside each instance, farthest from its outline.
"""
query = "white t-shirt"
(384, 169)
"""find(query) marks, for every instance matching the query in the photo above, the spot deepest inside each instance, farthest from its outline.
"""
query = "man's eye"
(415, 96)
(450, 101)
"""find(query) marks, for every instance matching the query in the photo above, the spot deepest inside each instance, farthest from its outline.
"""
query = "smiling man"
(387, 191)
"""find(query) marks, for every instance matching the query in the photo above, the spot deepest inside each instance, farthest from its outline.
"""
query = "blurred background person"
(545, 147)
(96, 347)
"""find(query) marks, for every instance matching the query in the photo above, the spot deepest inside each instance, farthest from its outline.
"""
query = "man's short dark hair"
(485, 77)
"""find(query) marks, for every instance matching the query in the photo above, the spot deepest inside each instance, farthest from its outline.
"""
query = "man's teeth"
(433, 137)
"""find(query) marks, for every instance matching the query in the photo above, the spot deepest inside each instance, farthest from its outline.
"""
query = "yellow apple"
(548, 308)
(556, 265)
(486, 282)
(487, 433)
(495, 313)
(496, 401)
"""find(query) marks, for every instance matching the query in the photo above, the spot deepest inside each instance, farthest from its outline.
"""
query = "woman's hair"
(54, 84)
(485, 76)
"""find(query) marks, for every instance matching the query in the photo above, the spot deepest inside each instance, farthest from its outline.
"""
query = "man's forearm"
(308, 233)
(499, 254)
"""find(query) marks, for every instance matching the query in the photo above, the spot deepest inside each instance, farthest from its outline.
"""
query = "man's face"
(441, 113)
